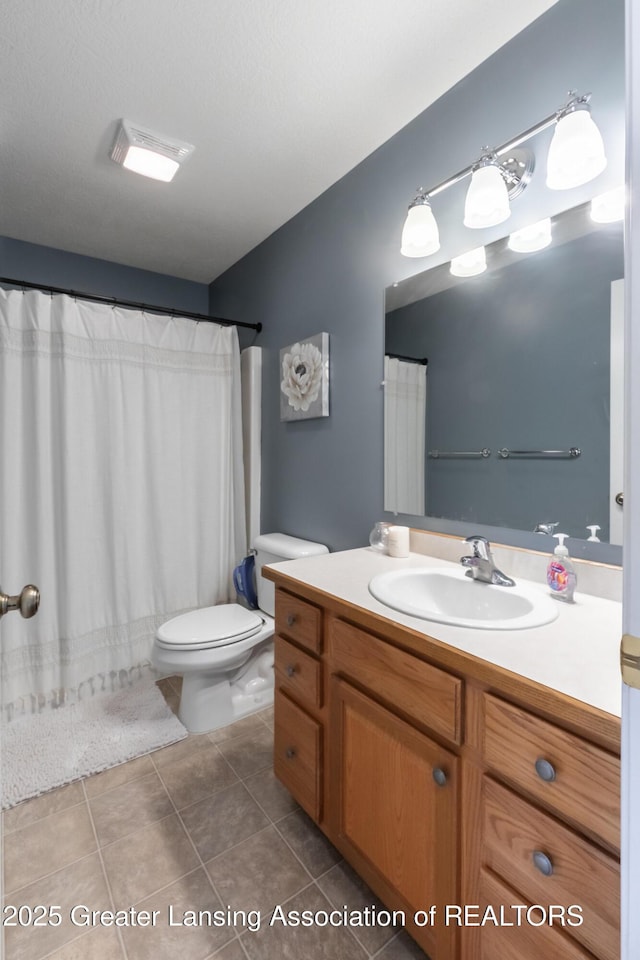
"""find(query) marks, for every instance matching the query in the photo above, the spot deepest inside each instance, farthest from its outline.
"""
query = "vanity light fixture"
(576, 155)
(536, 236)
(609, 207)
(420, 236)
(469, 264)
(487, 202)
(148, 153)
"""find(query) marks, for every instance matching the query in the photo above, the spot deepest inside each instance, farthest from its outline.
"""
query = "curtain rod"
(423, 361)
(116, 301)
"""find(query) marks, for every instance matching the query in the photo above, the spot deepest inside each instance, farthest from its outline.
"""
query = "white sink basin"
(446, 595)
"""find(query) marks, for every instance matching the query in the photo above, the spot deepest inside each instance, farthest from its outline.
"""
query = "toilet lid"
(210, 627)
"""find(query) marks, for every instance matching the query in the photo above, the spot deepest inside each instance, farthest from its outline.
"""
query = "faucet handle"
(481, 546)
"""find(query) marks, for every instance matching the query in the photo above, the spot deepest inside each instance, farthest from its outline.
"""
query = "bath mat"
(54, 747)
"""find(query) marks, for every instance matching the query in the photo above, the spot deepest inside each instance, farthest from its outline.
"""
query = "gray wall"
(326, 269)
(58, 268)
(534, 375)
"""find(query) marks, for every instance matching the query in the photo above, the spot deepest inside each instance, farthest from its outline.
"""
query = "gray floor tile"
(30, 811)
(197, 775)
(166, 942)
(223, 820)
(249, 754)
(80, 883)
(148, 860)
(47, 845)
(342, 885)
(128, 808)
(308, 843)
(295, 943)
(258, 873)
(275, 800)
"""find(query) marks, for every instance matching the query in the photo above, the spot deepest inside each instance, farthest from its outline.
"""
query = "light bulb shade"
(150, 164)
(536, 236)
(576, 154)
(469, 264)
(487, 201)
(420, 236)
(609, 207)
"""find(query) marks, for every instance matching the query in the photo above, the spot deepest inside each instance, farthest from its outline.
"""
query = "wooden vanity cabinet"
(446, 781)
(299, 717)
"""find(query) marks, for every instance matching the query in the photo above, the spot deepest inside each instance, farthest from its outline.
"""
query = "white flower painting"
(304, 385)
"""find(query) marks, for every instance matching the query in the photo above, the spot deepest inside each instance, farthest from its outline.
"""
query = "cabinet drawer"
(298, 673)
(427, 694)
(582, 780)
(574, 872)
(524, 942)
(299, 621)
(296, 753)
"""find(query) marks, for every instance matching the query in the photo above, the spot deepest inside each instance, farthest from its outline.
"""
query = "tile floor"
(199, 825)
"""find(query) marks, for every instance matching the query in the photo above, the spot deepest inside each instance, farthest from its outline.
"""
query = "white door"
(630, 821)
(27, 602)
(616, 408)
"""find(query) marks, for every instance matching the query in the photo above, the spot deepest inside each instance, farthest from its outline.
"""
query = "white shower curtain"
(121, 485)
(405, 405)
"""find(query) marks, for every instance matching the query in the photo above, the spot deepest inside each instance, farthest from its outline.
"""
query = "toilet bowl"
(225, 652)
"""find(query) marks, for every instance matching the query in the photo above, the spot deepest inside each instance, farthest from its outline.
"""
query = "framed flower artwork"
(304, 379)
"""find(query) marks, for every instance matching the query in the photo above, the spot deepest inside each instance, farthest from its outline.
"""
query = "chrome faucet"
(481, 565)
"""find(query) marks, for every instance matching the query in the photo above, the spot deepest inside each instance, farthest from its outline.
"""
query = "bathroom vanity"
(471, 771)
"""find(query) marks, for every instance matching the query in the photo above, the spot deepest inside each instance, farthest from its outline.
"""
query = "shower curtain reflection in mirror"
(405, 402)
(121, 486)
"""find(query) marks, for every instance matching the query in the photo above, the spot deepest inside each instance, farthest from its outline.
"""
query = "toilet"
(225, 653)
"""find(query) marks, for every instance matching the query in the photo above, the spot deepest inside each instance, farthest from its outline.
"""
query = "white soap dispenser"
(594, 538)
(561, 576)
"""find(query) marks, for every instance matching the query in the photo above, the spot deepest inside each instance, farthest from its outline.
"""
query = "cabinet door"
(395, 808)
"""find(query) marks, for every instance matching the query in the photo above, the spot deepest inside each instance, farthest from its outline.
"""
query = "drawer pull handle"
(542, 862)
(290, 670)
(291, 619)
(545, 770)
(440, 776)
(290, 753)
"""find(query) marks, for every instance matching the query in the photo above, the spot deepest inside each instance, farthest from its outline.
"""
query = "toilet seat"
(209, 627)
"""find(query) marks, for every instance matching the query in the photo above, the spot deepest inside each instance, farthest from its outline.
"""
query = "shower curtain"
(405, 411)
(121, 486)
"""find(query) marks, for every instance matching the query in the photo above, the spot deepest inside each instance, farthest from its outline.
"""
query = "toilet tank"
(272, 548)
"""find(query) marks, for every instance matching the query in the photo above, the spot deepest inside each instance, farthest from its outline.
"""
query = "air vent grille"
(130, 134)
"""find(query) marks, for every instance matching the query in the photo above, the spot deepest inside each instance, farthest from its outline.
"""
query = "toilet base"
(209, 702)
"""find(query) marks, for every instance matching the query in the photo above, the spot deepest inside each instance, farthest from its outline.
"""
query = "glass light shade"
(420, 236)
(536, 236)
(487, 201)
(150, 164)
(609, 207)
(469, 264)
(576, 154)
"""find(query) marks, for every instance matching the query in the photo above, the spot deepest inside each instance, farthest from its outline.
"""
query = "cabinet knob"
(290, 753)
(545, 770)
(542, 862)
(290, 670)
(440, 776)
(291, 619)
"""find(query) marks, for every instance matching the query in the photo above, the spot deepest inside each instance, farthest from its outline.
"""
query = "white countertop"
(577, 654)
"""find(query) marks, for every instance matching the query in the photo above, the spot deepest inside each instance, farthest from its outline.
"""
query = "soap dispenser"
(594, 538)
(561, 576)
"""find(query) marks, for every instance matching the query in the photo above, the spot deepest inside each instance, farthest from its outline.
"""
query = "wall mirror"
(503, 391)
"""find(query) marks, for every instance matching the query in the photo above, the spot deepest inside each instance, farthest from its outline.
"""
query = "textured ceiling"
(280, 97)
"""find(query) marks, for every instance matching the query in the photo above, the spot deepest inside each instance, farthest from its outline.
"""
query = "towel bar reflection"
(441, 454)
(569, 454)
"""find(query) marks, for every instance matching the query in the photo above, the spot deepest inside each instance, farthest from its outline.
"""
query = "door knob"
(27, 602)
(619, 498)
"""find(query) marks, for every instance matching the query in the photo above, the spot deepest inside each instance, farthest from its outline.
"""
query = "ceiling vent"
(149, 153)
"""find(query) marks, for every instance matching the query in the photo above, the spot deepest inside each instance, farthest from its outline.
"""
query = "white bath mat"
(54, 747)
